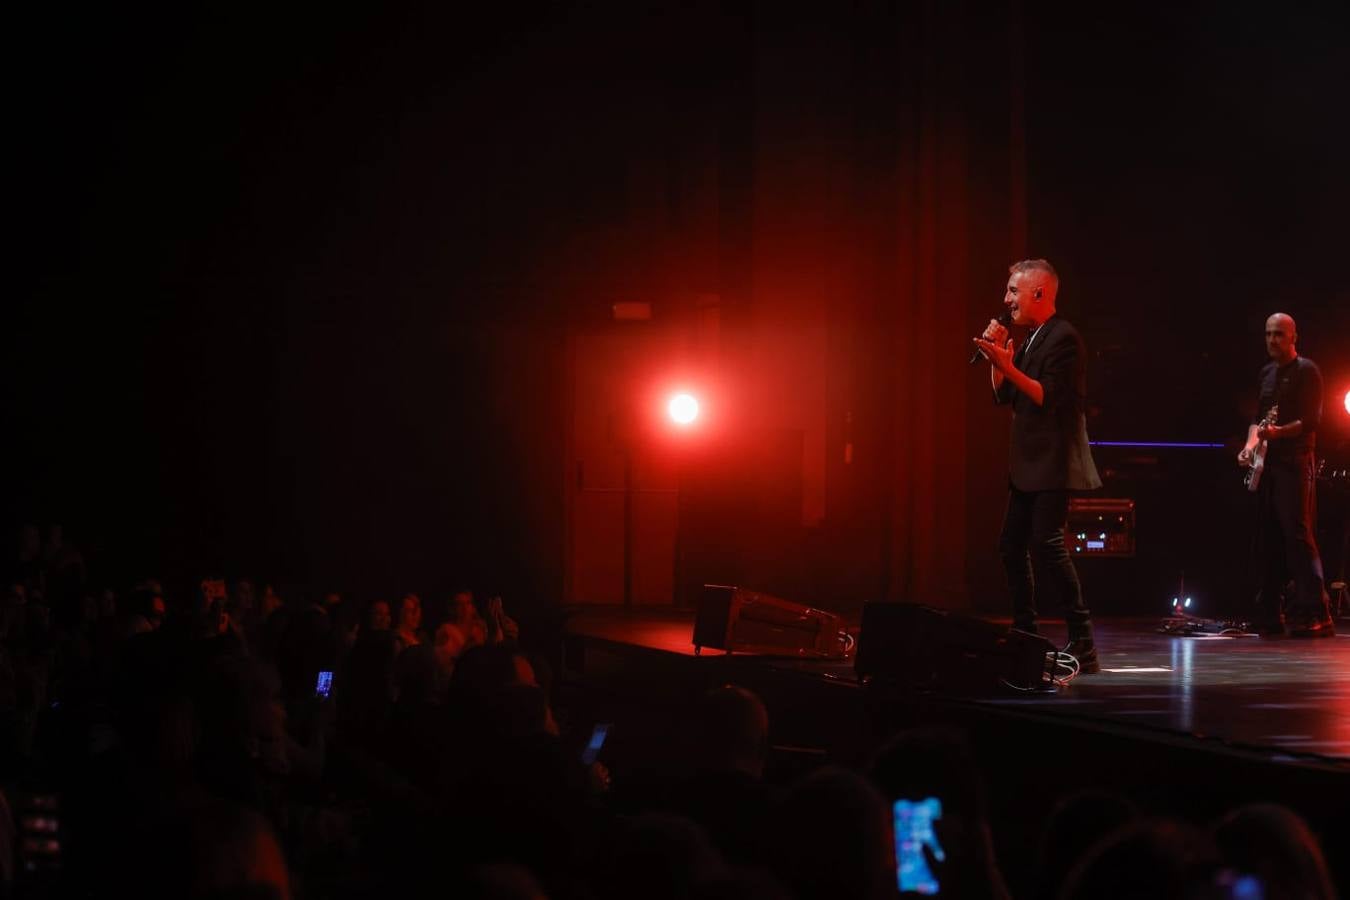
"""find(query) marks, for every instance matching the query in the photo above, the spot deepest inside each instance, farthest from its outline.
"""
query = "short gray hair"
(1036, 265)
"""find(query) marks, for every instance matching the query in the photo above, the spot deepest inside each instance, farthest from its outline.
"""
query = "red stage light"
(683, 409)
(1347, 401)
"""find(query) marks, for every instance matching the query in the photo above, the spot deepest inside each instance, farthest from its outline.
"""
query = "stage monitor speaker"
(737, 620)
(921, 647)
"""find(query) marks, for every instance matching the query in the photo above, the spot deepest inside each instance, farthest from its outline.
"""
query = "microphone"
(1004, 318)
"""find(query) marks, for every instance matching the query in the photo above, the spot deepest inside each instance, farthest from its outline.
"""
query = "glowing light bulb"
(683, 409)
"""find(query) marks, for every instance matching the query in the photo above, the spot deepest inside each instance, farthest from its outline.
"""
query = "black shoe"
(1314, 628)
(1085, 652)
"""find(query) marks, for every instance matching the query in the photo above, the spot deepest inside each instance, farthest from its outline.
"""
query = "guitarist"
(1286, 494)
(1044, 381)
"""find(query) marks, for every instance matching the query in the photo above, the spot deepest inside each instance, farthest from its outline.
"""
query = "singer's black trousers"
(1036, 561)
(1286, 540)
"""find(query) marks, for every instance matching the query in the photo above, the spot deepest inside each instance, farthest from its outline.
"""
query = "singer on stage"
(1045, 381)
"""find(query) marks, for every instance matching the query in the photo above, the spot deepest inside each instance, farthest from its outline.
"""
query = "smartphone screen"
(323, 686)
(1237, 886)
(913, 831)
(592, 751)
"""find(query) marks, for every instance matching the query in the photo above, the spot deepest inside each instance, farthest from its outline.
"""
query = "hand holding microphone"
(996, 333)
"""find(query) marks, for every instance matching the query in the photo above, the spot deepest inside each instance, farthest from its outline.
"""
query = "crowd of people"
(238, 741)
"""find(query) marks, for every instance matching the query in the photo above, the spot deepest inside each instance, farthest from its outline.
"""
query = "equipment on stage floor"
(1183, 623)
(1194, 626)
(921, 647)
(737, 620)
(1101, 526)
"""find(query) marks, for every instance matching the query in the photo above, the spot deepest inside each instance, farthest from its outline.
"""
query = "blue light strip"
(1154, 444)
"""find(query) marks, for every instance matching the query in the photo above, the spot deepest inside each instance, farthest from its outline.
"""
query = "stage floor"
(1284, 697)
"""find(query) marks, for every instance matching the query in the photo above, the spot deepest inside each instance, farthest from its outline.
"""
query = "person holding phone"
(323, 685)
(943, 846)
(591, 752)
(916, 844)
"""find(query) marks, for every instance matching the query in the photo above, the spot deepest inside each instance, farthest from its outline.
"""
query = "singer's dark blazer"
(1049, 449)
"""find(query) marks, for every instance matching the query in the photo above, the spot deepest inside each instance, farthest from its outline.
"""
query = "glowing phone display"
(592, 751)
(914, 831)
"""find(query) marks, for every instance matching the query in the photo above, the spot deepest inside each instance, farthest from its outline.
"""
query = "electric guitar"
(1258, 464)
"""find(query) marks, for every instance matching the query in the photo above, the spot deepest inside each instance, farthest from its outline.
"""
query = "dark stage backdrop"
(299, 293)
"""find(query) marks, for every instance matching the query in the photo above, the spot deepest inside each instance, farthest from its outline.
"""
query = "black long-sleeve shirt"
(1297, 387)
